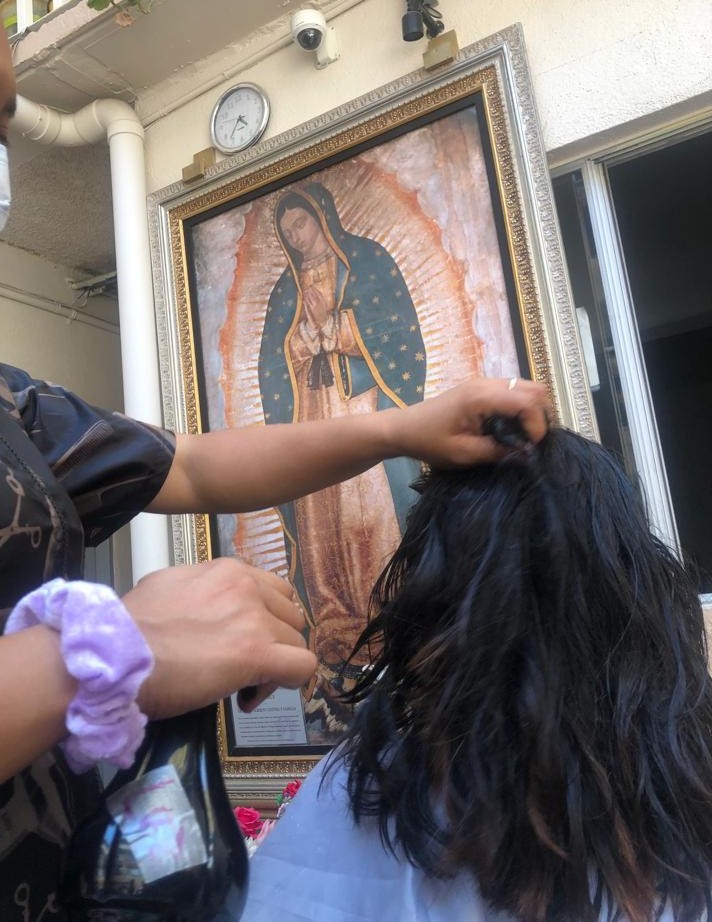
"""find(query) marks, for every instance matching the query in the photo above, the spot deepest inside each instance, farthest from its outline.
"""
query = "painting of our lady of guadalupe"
(372, 284)
(341, 337)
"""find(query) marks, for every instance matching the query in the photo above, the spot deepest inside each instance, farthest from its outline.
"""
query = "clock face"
(239, 118)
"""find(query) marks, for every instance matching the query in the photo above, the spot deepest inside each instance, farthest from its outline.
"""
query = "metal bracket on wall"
(442, 49)
(201, 161)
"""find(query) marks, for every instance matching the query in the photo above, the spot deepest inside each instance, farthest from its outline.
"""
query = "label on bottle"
(158, 823)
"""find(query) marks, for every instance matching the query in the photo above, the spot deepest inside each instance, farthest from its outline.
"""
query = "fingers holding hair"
(518, 399)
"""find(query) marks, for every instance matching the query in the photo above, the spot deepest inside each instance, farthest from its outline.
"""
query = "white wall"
(596, 66)
(38, 334)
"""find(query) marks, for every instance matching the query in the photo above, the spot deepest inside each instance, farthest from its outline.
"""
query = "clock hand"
(237, 122)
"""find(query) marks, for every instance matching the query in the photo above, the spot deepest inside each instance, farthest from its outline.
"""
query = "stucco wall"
(40, 336)
(596, 67)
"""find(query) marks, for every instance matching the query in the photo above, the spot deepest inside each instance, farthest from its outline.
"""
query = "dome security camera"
(311, 33)
(308, 29)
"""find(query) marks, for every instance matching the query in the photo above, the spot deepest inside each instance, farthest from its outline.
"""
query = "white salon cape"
(317, 866)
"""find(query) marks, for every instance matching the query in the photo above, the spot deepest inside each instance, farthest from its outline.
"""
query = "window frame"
(636, 394)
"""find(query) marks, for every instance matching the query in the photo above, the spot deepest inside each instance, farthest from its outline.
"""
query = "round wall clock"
(239, 117)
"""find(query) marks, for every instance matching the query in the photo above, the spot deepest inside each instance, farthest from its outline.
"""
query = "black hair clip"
(508, 431)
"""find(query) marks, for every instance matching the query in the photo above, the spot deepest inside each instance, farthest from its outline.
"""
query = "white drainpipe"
(116, 121)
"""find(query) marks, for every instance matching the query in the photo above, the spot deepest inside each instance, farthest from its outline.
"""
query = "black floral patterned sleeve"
(70, 475)
(110, 466)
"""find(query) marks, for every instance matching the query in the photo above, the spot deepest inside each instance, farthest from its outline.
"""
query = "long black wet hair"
(539, 711)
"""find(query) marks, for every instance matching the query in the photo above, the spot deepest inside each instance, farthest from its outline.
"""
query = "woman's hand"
(446, 431)
(317, 308)
(215, 628)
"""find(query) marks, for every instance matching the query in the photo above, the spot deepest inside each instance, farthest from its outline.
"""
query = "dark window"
(663, 207)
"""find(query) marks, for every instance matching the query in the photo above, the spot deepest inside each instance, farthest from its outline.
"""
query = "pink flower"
(292, 788)
(249, 820)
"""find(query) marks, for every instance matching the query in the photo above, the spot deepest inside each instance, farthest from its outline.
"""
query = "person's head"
(7, 110)
(539, 711)
(299, 226)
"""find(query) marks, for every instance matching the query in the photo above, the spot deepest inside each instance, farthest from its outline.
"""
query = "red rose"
(292, 788)
(249, 820)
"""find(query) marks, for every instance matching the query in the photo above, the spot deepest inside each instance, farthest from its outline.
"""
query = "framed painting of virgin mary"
(372, 258)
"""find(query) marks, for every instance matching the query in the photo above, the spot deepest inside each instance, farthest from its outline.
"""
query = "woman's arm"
(213, 628)
(35, 690)
(237, 470)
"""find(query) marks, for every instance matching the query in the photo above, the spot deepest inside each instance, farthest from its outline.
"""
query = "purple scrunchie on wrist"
(105, 651)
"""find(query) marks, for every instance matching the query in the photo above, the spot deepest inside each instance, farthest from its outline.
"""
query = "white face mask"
(4, 187)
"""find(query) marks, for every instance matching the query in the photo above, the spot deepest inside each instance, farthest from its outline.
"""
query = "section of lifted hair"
(538, 711)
